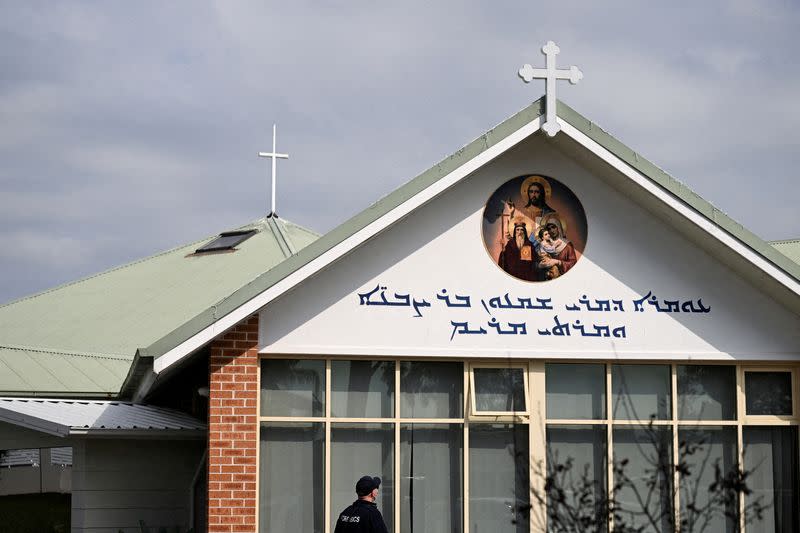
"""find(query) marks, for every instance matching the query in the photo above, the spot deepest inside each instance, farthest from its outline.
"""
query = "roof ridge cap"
(279, 232)
(115, 357)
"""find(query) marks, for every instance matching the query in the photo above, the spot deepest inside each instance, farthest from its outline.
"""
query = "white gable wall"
(628, 253)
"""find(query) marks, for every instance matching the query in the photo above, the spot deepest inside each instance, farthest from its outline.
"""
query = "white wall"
(116, 483)
(628, 253)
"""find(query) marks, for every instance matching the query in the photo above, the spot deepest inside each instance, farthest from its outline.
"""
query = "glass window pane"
(362, 389)
(706, 392)
(431, 488)
(292, 455)
(770, 457)
(577, 467)
(702, 451)
(499, 389)
(575, 391)
(431, 390)
(499, 499)
(643, 469)
(292, 387)
(361, 450)
(768, 393)
(641, 392)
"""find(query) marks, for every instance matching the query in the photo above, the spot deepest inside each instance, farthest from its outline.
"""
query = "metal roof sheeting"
(80, 339)
(79, 417)
(790, 248)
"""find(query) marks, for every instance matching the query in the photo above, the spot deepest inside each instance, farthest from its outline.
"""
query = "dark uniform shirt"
(361, 517)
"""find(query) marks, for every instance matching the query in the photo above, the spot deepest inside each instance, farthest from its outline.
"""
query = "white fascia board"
(701, 221)
(317, 264)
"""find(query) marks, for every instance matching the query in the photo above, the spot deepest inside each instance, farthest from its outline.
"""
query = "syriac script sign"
(533, 315)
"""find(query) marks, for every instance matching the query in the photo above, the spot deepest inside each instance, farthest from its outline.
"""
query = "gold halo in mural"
(534, 228)
(527, 182)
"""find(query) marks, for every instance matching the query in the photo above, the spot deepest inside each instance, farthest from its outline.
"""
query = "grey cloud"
(144, 119)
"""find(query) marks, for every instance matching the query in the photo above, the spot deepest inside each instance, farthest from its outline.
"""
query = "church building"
(543, 314)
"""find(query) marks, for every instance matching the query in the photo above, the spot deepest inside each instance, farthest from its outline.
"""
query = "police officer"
(363, 516)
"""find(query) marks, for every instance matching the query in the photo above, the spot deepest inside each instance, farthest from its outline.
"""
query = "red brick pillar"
(233, 429)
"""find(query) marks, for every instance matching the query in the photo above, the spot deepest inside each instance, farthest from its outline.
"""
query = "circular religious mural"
(534, 228)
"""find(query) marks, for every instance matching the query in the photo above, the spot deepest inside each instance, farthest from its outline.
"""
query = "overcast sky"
(127, 128)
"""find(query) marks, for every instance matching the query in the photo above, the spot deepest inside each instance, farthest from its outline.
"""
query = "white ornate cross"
(550, 74)
(274, 155)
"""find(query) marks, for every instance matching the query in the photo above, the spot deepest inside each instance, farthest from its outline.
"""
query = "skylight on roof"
(226, 241)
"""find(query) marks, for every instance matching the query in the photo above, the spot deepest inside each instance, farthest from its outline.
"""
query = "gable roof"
(81, 338)
(187, 317)
(251, 297)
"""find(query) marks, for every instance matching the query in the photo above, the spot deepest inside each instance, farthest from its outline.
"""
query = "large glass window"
(431, 389)
(577, 465)
(706, 392)
(292, 455)
(707, 454)
(576, 391)
(431, 466)
(499, 499)
(641, 392)
(770, 454)
(651, 440)
(768, 393)
(643, 455)
(291, 387)
(362, 450)
(362, 389)
(499, 390)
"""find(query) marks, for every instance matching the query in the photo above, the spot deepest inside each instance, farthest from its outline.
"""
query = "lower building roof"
(80, 339)
(66, 418)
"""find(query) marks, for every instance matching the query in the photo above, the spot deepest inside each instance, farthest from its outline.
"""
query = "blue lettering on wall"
(380, 296)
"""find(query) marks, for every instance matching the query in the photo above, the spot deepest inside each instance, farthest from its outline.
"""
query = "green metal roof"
(80, 338)
(153, 305)
(790, 248)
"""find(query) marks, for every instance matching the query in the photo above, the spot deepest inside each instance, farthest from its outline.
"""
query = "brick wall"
(232, 426)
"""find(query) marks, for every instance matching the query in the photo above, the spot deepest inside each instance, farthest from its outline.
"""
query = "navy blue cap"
(367, 484)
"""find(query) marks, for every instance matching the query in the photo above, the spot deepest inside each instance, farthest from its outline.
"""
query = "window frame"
(499, 416)
(534, 417)
(769, 419)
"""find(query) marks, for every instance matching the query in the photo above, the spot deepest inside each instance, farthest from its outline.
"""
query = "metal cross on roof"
(274, 155)
(550, 74)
